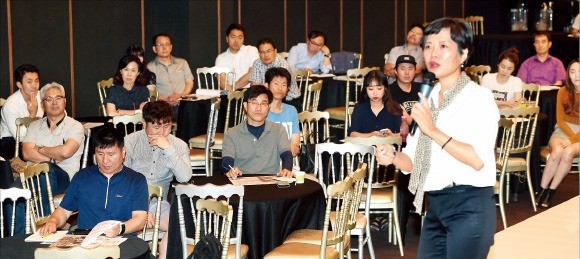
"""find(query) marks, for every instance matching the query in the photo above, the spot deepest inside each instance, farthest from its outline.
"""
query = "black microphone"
(426, 87)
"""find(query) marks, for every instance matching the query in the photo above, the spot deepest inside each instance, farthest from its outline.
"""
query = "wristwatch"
(38, 148)
(122, 231)
(327, 55)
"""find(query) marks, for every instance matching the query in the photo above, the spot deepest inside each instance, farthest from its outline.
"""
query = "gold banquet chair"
(30, 179)
(330, 244)
(233, 246)
(77, 252)
(531, 92)
(103, 86)
(314, 127)
(21, 122)
(216, 78)
(125, 120)
(355, 78)
(312, 96)
(302, 78)
(152, 234)
(524, 128)
(476, 72)
(382, 196)
(503, 148)
(476, 23)
(203, 157)
(14, 194)
(283, 55)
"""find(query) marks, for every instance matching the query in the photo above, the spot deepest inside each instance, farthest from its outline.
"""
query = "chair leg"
(369, 240)
(398, 230)
(501, 201)
(530, 188)
(389, 229)
(507, 193)
(360, 246)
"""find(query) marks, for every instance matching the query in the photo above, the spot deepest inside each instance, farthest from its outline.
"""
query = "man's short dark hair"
(418, 25)
(271, 73)
(160, 35)
(108, 137)
(265, 40)
(157, 112)
(256, 90)
(317, 33)
(23, 69)
(235, 26)
(543, 33)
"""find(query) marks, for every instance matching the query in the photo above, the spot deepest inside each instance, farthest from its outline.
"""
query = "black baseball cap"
(405, 59)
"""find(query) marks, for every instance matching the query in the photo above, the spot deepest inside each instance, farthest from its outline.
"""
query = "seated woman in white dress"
(506, 89)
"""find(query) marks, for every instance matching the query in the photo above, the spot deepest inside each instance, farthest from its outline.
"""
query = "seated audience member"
(506, 89)
(159, 156)
(411, 47)
(23, 103)
(404, 90)
(542, 68)
(576, 26)
(146, 77)
(256, 145)
(563, 145)
(106, 191)
(269, 58)
(277, 79)
(376, 113)
(313, 55)
(126, 96)
(239, 56)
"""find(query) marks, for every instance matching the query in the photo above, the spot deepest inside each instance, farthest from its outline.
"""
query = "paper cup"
(299, 177)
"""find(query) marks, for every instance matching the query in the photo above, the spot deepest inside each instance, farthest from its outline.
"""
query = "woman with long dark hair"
(376, 113)
(126, 96)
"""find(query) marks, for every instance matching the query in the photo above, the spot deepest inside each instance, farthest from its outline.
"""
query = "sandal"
(540, 195)
(548, 200)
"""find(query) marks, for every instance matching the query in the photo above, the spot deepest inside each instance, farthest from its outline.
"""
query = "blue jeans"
(59, 182)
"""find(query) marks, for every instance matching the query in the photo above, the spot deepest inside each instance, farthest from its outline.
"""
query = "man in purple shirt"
(542, 69)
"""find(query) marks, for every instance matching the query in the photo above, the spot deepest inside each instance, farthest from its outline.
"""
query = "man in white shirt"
(239, 56)
(23, 103)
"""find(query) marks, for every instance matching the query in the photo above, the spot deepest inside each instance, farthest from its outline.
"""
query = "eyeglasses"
(166, 44)
(261, 104)
(266, 52)
(316, 44)
(52, 99)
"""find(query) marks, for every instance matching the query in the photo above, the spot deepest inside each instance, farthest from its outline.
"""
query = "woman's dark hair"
(118, 79)
(256, 90)
(375, 75)
(460, 32)
(273, 72)
(157, 112)
(146, 77)
(23, 69)
(570, 107)
(108, 137)
(510, 54)
(135, 50)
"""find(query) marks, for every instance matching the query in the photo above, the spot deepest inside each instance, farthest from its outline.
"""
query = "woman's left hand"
(385, 154)
(421, 113)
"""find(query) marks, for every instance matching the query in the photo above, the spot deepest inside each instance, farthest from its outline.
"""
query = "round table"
(15, 247)
(193, 115)
(270, 214)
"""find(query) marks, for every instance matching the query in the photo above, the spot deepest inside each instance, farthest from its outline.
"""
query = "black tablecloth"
(15, 247)
(193, 116)
(270, 215)
(488, 47)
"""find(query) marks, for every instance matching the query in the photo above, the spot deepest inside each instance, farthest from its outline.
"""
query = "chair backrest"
(102, 86)
(503, 146)
(358, 59)
(153, 94)
(342, 160)
(524, 127)
(21, 122)
(85, 158)
(476, 23)
(386, 57)
(237, 115)
(215, 218)
(157, 193)
(340, 194)
(312, 96)
(358, 178)
(476, 72)
(531, 92)
(302, 78)
(14, 194)
(128, 119)
(283, 55)
(354, 78)
(213, 121)
(30, 179)
(78, 252)
(344, 60)
(216, 78)
(205, 191)
(314, 127)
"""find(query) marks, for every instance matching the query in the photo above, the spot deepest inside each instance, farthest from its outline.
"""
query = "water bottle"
(404, 129)
(550, 16)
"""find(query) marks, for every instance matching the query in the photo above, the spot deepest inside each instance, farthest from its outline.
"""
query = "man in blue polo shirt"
(106, 191)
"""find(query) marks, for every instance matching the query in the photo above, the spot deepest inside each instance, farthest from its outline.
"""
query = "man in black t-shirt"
(405, 92)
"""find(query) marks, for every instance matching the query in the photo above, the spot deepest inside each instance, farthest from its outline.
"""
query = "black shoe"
(540, 196)
(548, 200)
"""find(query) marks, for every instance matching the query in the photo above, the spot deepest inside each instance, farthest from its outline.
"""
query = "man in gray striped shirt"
(160, 156)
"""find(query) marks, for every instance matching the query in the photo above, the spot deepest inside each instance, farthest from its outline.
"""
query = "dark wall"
(101, 31)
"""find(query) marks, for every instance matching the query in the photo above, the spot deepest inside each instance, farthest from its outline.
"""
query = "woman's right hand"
(49, 227)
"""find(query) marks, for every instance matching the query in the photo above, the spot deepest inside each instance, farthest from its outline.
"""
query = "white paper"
(322, 75)
(50, 238)
(208, 92)
(549, 87)
(98, 230)
(90, 125)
